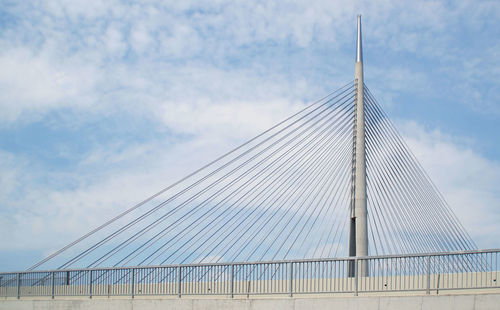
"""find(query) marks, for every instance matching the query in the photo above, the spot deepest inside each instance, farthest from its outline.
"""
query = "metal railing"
(416, 272)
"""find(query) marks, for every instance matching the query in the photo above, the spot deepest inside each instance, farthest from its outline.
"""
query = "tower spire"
(359, 47)
(358, 231)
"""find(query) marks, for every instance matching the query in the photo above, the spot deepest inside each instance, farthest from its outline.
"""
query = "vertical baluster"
(18, 285)
(428, 290)
(132, 282)
(179, 274)
(481, 269)
(90, 284)
(232, 280)
(356, 277)
(53, 284)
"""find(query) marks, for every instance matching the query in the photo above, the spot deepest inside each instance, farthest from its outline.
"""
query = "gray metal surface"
(359, 47)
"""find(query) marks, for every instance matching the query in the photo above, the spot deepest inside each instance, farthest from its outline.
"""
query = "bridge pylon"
(358, 229)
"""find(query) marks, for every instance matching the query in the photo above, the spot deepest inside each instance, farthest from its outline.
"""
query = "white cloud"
(140, 38)
(129, 173)
(32, 85)
(40, 214)
(181, 41)
(467, 179)
(115, 40)
(69, 56)
(180, 64)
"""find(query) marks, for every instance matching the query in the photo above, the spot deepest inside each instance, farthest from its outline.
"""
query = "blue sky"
(106, 102)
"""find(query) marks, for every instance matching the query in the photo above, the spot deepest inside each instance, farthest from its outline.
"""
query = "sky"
(103, 103)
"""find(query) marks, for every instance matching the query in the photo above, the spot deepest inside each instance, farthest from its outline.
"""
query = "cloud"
(76, 49)
(109, 180)
(31, 83)
(70, 203)
(467, 179)
(202, 76)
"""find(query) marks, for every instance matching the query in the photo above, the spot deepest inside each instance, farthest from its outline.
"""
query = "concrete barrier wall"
(440, 302)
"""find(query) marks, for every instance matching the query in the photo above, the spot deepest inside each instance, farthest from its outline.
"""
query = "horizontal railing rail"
(476, 269)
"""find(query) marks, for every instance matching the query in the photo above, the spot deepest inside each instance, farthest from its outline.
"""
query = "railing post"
(356, 277)
(90, 284)
(179, 278)
(18, 285)
(232, 280)
(291, 279)
(428, 290)
(132, 283)
(53, 284)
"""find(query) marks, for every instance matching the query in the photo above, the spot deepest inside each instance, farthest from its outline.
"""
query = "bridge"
(328, 203)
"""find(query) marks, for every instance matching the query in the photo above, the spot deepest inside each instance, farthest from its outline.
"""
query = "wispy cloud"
(143, 92)
(467, 179)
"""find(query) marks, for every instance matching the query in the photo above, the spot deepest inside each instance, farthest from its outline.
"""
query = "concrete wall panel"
(422, 302)
(487, 302)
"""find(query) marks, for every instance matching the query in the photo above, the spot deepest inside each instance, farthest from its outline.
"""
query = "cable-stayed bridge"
(274, 215)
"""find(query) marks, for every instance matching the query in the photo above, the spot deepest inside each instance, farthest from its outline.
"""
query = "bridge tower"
(358, 230)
